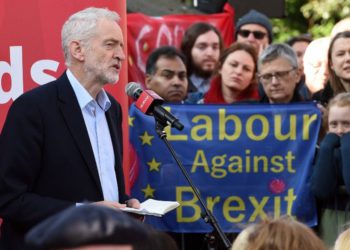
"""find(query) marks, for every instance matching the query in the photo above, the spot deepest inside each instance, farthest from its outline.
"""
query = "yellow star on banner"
(148, 191)
(153, 165)
(146, 138)
(131, 121)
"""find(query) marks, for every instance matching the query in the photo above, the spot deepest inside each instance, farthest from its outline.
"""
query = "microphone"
(150, 104)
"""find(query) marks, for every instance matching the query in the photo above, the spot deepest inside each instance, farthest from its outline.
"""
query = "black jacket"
(330, 180)
(323, 96)
(47, 162)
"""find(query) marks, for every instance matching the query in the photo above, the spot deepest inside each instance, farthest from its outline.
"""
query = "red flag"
(146, 33)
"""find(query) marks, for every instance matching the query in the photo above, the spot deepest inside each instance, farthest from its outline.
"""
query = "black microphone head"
(133, 89)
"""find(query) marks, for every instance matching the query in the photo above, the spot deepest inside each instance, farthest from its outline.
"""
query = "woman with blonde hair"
(343, 241)
(278, 234)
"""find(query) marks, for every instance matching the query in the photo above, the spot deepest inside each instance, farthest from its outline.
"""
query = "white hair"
(81, 26)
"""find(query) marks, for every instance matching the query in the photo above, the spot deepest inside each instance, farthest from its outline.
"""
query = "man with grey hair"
(278, 74)
(61, 144)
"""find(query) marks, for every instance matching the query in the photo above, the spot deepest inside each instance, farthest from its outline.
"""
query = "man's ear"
(298, 74)
(148, 80)
(77, 51)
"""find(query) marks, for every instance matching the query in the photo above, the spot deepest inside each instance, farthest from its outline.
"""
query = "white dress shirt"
(95, 120)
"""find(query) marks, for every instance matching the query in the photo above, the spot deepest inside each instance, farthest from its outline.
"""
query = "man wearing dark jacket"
(61, 144)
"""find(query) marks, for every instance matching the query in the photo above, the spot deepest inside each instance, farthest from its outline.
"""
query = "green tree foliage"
(316, 17)
(323, 14)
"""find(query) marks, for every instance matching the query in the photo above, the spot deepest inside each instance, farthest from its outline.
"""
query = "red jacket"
(214, 94)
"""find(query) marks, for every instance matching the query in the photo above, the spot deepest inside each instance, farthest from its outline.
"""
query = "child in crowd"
(331, 178)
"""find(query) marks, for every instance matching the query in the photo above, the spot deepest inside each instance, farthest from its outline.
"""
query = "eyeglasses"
(257, 34)
(267, 78)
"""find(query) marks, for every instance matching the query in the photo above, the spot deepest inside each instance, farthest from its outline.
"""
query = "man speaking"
(61, 144)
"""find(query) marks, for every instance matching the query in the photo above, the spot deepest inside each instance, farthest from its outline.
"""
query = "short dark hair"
(302, 38)
(169, 52)
(190, 37)
(87, 225)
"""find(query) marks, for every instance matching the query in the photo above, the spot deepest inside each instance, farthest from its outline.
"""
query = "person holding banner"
(236, 79)
(166, 74)
(331, 177)
(279, 75)
(61, 144)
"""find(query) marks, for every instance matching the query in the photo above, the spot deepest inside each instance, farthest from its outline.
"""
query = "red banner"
(146, 33)
(30, 47)
(31, 53)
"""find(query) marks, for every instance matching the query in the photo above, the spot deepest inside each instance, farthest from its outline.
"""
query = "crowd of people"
(70, 129)
(254, 69)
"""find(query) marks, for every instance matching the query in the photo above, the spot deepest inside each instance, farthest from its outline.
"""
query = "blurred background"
(289, 17)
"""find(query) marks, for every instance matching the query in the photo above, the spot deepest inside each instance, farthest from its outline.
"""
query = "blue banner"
(248, 161)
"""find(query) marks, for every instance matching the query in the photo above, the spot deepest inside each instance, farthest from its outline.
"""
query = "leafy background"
(315, 17)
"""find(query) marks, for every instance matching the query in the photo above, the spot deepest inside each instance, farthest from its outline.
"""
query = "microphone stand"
(208, 215)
